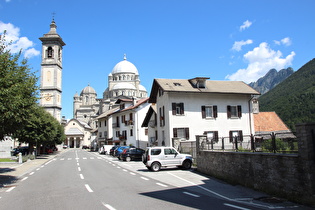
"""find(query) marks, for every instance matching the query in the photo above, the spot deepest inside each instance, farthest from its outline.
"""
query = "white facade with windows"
(186, 108)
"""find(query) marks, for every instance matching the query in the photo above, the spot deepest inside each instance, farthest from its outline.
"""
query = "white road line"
(10, 189)
(132, 173)
(124, 170)
(92, 158)
(42, 166)
(144, 178)
(118, 167)
(78, 164)
(191, 194)
(62, 159)
(108, 206)
(99, 158)
(236, 207)
(37, 169)
(32, 173)
(84, 158)
(163, 185)
(25, 178)
(81, 176)
(79, 169)
(88, 188)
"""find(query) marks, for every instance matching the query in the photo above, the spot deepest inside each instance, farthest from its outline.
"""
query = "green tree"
(41, 129)
(17, 90)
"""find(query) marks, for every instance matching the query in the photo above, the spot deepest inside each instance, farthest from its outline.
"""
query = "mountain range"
(271, 79)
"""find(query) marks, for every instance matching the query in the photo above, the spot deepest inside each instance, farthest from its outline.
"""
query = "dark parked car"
(112, 150)
(132, 154)
(119, 150)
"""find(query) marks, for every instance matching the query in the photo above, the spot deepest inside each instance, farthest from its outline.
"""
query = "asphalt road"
(78, 179)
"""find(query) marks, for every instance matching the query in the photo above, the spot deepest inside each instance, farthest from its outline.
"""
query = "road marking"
(132, 173)
(81, 176)
(79, 169)
(144, 178)
(118, 167)
(32, 173)
(191, 194)
(62, 159)
(163, 185)
(88, 188)
(84, 158)
(108, 206)
(78, 164)
(92, 158)
(99, 158)
(25, 178)
(42, 166)
(10, 189)
(37, 169)
(124, 170)
(236, 207)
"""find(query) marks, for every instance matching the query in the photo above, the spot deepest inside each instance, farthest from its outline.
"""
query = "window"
(100, 123)
(50, 52)
(124, 134)
(212, 135)
(182, 133)
(160, 92)
(234, 111)
(237, 134)
(155, 151)
(209, 111)
(169, 151)
(123, 119)
(131, 132)
(100, 134)
(177, 108)
(117, 133)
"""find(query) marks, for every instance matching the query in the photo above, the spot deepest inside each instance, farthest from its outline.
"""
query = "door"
(171, 157)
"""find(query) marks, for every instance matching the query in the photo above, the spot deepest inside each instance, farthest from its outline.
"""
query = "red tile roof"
(269, 122)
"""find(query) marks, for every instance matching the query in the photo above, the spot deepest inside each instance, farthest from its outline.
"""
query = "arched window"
(50, 52)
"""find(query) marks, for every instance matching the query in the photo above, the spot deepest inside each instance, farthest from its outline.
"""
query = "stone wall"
(287, 176)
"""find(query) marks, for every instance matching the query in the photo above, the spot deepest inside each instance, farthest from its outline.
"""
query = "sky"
(238, 40)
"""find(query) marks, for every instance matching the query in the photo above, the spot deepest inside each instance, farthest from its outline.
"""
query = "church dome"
(121, 86)
(141, 87)
(88, 90)
(125, 67)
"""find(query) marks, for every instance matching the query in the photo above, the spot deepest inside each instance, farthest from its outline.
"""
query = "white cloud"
(17, 43)
(237, 46)
(260, 60)
(245, 25)
(285, 41)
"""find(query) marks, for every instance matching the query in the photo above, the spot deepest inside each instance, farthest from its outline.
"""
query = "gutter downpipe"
(250, 114)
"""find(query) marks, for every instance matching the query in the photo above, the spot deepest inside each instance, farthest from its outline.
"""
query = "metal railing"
(268, 143)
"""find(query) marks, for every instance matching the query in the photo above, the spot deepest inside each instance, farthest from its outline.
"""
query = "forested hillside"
(294, 98)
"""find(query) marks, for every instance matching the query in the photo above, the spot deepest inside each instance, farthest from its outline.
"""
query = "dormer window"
(177, 84)
(199, 82)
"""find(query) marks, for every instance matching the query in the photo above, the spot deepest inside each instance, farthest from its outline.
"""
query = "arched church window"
(86, 99)
(124, 77)
(59, 54)
(50, 52)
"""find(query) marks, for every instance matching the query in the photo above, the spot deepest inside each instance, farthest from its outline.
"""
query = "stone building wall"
(287, 176)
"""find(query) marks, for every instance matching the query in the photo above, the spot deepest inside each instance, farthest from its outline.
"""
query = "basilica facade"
(123, 82)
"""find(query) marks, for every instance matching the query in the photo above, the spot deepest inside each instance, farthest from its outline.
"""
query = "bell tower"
(51, 72)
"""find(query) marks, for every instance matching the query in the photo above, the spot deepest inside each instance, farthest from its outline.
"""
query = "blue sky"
(223, 39)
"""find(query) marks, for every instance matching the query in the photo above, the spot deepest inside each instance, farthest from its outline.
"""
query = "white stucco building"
(186, 108)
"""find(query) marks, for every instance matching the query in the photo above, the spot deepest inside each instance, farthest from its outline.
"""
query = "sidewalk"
(11, 172)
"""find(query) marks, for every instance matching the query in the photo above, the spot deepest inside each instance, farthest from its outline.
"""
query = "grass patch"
(7, 160)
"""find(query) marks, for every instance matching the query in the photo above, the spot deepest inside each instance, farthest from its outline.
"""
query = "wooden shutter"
(229, 111)
(231, 136)
(215, 111)
(174, 108)
(187, 133)
(216, 136)
(240, 134)
(203, 111)
(239, 111)
(175, 132)
(181, 108)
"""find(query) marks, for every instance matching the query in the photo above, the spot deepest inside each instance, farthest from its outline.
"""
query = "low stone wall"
(286, 176)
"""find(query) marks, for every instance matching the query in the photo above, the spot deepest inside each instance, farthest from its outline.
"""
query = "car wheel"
(187, 164)
(128, 159)
(156, 166)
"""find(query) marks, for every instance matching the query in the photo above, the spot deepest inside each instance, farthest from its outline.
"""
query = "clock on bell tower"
(51, 72)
